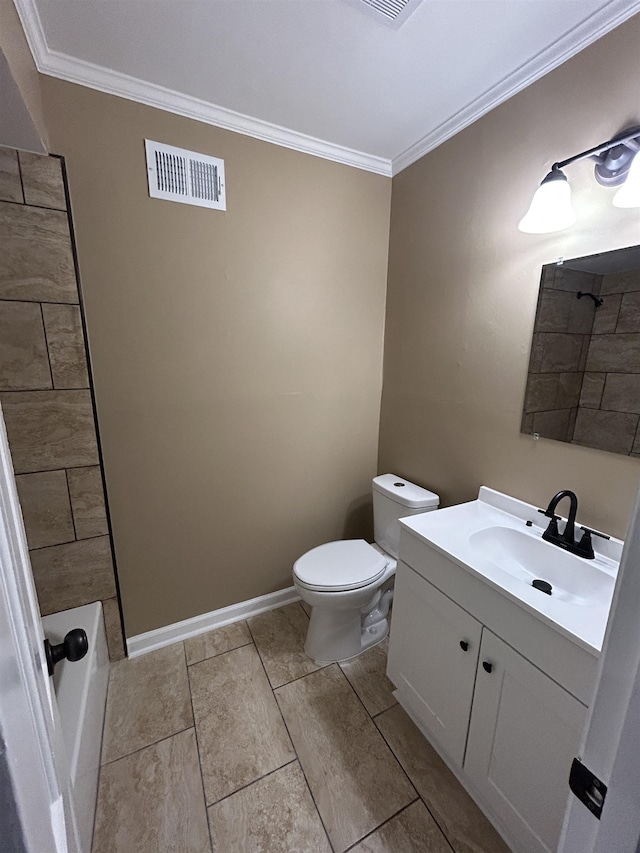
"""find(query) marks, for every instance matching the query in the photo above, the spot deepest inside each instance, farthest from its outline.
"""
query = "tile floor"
(236, 742)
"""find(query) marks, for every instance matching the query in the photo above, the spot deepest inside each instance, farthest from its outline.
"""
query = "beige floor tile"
(148, 700)
(356, 782)
(367, 674)
(274, 815)
(411, 831)
(216, 642)
(466, 828)
(152, 801)
(241, 735)
(279, 636)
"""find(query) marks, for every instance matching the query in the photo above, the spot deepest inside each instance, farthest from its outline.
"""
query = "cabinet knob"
(464, 645)
(488, 667)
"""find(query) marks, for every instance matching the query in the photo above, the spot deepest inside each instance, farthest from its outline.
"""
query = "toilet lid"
(347, 564)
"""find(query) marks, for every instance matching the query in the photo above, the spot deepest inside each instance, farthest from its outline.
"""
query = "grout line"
(437, 822)
(218, 655)
(69, 541)
(37, 301)
(195, 732)
(28, 204)
(146, 746)
(21, 182)
(384, 823)
(73, 517)
(46, 345)
(253, 782)
(298, 677)
(275, 699)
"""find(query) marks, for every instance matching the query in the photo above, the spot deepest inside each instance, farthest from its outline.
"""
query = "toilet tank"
(395, 498)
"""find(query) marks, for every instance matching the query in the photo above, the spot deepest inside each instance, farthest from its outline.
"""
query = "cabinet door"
(524, 733)
(433, 654)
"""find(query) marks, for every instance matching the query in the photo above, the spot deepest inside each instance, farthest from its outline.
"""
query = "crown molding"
(111, 82)
(580, 37)
(74, 70)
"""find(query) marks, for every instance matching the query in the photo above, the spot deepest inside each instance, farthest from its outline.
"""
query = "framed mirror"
(583, 385)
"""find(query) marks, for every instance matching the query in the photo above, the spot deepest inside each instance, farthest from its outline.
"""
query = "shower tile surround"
(584, 373)
(45, 394)
(255, 750)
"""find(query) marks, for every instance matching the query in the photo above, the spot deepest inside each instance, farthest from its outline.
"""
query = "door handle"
(74, 647)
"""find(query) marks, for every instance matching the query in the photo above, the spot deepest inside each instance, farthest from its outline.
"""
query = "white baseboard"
(160, 637)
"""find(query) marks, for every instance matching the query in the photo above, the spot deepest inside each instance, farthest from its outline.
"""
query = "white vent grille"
(393, 13)
(176, 174)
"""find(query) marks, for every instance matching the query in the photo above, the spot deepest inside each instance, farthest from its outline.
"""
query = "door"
(432, 659)
(610, 746)
(36, 786)
(524, 731)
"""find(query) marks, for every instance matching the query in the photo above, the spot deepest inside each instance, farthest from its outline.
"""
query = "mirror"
(583, 385)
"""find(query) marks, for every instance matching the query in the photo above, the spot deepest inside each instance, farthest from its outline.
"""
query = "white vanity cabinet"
(506, 728)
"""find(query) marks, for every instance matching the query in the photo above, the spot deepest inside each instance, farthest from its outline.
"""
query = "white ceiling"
(317, 75)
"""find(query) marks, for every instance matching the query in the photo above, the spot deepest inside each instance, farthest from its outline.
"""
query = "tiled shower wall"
(46, 397)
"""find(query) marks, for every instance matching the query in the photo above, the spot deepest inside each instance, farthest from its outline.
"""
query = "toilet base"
(336, 635)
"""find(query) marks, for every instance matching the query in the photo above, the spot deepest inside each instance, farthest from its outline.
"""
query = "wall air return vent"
(185, 176)
(393, 13)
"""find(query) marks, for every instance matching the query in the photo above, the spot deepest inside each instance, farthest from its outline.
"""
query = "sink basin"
(527, 557)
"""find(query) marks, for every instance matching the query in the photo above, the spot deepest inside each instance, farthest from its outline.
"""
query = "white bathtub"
(81, 691)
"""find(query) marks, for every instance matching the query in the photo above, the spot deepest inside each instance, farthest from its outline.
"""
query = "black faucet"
(567, 539)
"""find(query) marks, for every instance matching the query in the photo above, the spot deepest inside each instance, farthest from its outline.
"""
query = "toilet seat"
(340, 566)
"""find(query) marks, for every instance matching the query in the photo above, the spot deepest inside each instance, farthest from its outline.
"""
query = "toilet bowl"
(349, 583)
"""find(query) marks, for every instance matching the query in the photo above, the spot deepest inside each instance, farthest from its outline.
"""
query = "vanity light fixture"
(616, 166)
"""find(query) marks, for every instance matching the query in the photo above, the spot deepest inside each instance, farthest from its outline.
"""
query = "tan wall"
(463, 286)
(237, 356)
(22, 123)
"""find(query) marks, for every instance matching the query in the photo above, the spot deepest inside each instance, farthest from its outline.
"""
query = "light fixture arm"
(629, 138)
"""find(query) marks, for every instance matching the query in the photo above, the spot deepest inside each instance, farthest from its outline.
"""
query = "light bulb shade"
(550, 208)
(629, 193)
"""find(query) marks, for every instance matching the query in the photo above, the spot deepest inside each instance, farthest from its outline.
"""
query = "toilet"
(349, 583)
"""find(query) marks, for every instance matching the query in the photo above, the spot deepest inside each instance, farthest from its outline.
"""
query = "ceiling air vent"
(393, 13)
(185, 176)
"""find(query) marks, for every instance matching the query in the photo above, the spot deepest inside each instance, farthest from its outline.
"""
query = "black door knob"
(464, 645)
(74, 647)
(488, 667)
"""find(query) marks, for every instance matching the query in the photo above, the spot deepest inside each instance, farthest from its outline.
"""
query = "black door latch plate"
(587, 787)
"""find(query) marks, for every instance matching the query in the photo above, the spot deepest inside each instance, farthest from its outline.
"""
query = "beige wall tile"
(629, 317)
(42, 180)
(581, 315)
(36, 262)
(621, 282)
(87, 501)
(614, 353)
(591, 392)
(279, 636)
(23, 350)
(152, 801)
(50, 429)
(561, 353)
(46, 509)
(461, 820)
(148, 700)
(10, 186)
(65, 341)
(115, 640)
(547, 391)
(367, 674)
(554, 308)
(73, 574)
(241, 735)
(275, 814)
(622, 392)
(555, 424)
(612, 431)
(607, 315)
(217, 642)
(355, 781)
(414, 829)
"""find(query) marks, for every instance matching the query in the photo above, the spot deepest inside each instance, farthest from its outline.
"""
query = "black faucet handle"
(595, 532)
(549, 514)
